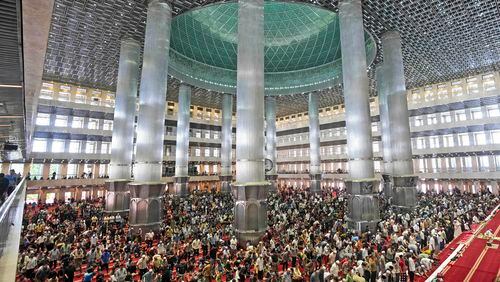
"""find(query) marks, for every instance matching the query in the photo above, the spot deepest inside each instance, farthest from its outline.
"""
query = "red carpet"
(487, 270)
(477, 262)
(447, 251)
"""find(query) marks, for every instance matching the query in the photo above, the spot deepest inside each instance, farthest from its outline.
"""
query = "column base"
(145, 228)
(146, 208)
(315, 183)
(250, 212)
(273, 180)
(404, 191)
(181, 186)
(225, 183)
(363, 204)
(363, 226)
(387, 186)
(117, 197)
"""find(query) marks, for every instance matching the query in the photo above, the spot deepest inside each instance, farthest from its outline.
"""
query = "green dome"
(302, 47)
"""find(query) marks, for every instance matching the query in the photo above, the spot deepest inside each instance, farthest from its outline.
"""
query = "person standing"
(260, 267)
(121, 274)
(68, 272)
(142, 264)
(54, 256)
(87, 277)
(402, 268)
(4, 186)
(372, 266)
(411, 267)
(13, 180)
(105, 258)
(78, 255)
(148, 276)
(31, 265)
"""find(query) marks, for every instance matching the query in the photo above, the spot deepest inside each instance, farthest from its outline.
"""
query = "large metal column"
(363, 206)
(181, 179)
(494, 187)
(315, 161)
(380, 76)
(271, 154)
(404, 191)
(250, 189)
(147, 189)
(122, 143)
(226, 175)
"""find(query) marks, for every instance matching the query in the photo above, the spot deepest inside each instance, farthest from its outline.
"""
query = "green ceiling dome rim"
(197, 68)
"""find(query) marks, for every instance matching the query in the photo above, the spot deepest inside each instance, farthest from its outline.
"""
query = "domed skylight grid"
(297, 36)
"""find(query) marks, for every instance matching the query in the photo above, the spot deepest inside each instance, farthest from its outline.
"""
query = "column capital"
(184, 84)
(270, 98)
(379, 67)
(341, 2)
(391, 34)
(152, 2)
(129, 40)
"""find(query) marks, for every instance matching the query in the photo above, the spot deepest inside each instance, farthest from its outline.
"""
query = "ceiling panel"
(442, 40)
(11, 80)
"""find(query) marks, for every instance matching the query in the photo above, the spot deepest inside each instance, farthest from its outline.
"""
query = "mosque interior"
(323, 131)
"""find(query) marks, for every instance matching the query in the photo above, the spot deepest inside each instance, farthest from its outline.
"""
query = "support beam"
(314, 152)
(147, 189)
(122, 142)
(404, 180)
(181, 179)
(226, 176)
(250, 189)
(271, 153)
(363, 207)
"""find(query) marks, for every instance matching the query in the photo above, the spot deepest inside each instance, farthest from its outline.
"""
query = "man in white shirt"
(233, 243)
(93, 241)
(260, 268)
(411, 267)
(161, 248)
(334, 270)
(121, 274)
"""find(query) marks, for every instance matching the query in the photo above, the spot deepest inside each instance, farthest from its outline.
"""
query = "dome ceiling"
(302, 47)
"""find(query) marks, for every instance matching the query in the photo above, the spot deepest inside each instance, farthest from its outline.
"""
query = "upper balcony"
(430, 97)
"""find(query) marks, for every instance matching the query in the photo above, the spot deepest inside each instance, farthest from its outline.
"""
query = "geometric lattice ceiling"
(297, 36)
(442, 40)
(301, 47)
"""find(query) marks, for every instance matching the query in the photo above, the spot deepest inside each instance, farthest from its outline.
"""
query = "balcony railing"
(11, 218)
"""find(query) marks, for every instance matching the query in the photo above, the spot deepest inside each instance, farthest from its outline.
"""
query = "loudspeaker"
(10, 147)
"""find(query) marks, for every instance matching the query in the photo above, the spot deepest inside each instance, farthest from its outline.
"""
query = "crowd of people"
(8, 184)
(307, 240)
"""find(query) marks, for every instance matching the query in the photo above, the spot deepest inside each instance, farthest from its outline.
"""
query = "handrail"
(11, 218)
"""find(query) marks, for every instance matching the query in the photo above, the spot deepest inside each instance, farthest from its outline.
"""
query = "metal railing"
(11, 218)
